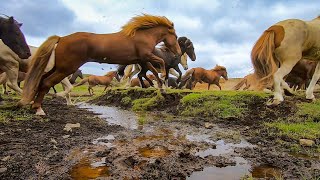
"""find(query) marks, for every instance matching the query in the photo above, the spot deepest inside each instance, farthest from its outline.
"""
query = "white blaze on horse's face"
(184, 61)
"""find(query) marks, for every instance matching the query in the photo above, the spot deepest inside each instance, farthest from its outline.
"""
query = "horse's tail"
(36, 69)
(187, 74)
(84, 80)
(240, 84)
(262, 57)
(121, 69)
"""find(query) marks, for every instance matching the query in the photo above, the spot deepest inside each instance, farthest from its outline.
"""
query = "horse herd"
(287, 45)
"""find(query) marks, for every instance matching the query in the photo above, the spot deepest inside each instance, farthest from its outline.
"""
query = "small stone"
(3, 169)
(53, 141)
(55, 147)
(28, 129)
(2, 133)
(208, 125)
(65, 136)
(5, 158)
(306, 142)
(69, 126)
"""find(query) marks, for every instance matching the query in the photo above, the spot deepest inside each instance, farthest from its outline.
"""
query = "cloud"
(223, 32)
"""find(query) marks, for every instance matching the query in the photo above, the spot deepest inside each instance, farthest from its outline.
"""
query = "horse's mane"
(219, 68)
(146, 21)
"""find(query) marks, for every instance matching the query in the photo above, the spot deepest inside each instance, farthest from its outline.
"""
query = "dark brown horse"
(133, 44)
(208, 76)
(99, 80)
(75, 75)
(12, 36)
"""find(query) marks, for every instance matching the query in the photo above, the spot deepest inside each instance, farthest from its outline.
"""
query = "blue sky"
(223, 32)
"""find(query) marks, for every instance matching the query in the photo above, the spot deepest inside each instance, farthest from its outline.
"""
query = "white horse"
(11, 69)
(283, 45)
(129, 72)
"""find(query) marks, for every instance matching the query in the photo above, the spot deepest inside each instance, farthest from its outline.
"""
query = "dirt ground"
(153, 145)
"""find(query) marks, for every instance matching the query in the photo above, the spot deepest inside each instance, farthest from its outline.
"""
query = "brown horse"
(133, 44)
(250, 81)
(135, 82)
(99, 80)
(208, 76)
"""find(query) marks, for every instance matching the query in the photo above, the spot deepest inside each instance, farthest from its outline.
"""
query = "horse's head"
(184, 61)
(170, 41)
(12, 36)
(222, 70)
(187, 46)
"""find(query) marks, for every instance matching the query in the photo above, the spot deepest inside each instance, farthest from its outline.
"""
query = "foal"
(99, 80)
(208, 76)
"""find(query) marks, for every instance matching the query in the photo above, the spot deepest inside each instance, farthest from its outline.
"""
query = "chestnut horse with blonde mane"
(279, 49)
(99, 80)
(208, 76)
(133, 44)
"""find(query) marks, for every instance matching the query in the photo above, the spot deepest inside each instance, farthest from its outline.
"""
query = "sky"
(223, 31)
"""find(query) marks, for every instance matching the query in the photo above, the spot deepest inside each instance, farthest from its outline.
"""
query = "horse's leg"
(150, 57)
(54, 90)
(219, 86)
(136, 70)
(209, 86)
(314, 80)
(180, 73)
(155, 73)
(67, 87)
(12, 74)
(173, 72)
(284, 69)
(44, 88)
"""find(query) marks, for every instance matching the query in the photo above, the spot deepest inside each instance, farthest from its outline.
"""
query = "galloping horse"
(133, 44)
(171, 61)
(98, 80)
(250, 80)
(279, 49)
(135, 82)
(128, 73)
(208, 76)
(13, 47)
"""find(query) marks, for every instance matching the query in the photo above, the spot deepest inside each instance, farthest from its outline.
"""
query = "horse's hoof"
(288, 93)
(273, 102)
(311, 99)
(162, 91)
(40, 113)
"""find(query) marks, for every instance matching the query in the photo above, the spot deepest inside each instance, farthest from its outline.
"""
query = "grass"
(221, 104)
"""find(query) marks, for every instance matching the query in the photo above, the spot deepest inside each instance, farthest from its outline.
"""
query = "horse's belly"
(312, 54)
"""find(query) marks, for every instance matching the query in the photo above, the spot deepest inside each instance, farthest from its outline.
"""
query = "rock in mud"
(5, 158)
(306, 142)
(3, 169)
(208, 125)
(69, 126)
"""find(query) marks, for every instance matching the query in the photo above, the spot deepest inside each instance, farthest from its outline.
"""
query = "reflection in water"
(114, 115)
(266, 171)
(85, 170)
(154, 152)
(225, 173)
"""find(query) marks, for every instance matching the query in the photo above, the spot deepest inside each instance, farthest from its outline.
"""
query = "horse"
(13, 47)
(171, 61)
(280, 48)
(250, 81)
(134, 43)
(128, 73)
(208, 76)
(99, 80)
(135, 82)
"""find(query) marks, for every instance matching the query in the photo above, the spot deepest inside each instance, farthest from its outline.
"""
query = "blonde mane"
(146, 21)
(219, 68)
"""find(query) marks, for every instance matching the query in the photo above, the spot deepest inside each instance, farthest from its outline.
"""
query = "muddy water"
(114, 115)
(156, 141)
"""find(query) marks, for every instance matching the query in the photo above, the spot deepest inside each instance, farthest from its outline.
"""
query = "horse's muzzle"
(185, 68)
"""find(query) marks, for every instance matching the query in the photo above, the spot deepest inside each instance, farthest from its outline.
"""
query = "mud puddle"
(163, 149)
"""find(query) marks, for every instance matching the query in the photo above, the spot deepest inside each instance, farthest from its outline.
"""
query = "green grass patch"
(221, 104)
(10, 112)
(309, 110)
(308, 130)
(146, 104)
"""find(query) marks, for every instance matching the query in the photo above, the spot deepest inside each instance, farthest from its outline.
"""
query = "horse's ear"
(11, 20)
